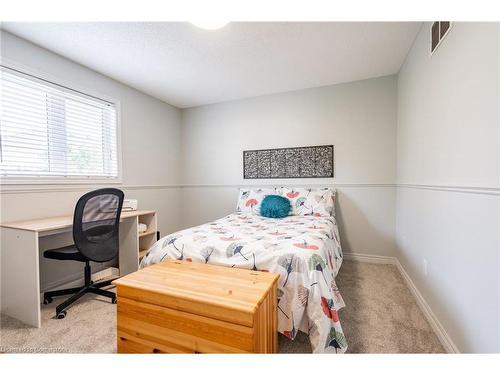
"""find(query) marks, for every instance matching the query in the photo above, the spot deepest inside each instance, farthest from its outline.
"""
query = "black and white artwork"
(293, 162)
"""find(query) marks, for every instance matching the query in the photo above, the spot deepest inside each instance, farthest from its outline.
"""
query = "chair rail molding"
(39, 188)
(485, 190)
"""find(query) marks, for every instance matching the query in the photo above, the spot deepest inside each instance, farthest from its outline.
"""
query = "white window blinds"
(52, 131)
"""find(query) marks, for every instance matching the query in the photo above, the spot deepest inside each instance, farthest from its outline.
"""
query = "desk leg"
(128, 257)
(20, 275)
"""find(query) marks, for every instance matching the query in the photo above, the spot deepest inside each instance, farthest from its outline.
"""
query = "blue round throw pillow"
(275, 206)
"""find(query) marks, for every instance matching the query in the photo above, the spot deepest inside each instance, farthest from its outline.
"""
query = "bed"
(304, 250)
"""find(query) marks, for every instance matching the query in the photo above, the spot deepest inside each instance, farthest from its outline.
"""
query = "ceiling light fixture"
(210, 24)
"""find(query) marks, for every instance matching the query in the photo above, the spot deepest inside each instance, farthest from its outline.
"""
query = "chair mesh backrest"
(96, 223)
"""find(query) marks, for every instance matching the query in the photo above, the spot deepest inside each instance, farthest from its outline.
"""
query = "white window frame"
(67, 180)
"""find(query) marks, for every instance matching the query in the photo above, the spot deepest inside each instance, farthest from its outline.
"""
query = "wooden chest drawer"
(184, 307)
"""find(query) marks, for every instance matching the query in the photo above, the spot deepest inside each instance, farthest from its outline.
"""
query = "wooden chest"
(184, 307)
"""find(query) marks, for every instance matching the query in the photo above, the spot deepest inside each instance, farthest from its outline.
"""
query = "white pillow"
(249, 200)
(315, 201)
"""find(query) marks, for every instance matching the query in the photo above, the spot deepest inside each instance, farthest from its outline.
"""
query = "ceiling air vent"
(439, 30)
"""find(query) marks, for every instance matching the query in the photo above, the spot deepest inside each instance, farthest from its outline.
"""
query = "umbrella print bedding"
(304, 250)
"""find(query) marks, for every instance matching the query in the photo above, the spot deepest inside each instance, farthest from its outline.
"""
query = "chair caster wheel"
(47, 300)
(61, 315)
(113, 300)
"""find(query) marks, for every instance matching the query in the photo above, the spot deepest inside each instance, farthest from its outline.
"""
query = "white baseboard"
(435, 324)
(367, 258)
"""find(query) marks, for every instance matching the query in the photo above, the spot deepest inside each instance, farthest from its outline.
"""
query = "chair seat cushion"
(64, 253)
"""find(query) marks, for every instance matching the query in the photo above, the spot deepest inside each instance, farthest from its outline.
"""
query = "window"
(48, 131)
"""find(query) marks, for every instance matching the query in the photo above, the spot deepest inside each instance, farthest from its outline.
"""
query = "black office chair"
(95, 235)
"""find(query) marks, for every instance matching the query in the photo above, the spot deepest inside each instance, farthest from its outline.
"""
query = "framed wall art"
(291, 162)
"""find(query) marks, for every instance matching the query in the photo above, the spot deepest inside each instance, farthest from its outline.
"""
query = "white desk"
(19, 257)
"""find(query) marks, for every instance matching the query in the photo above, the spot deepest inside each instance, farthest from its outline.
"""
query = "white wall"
(448, 142)
(439, 119)
(150, 145)
(358, 118)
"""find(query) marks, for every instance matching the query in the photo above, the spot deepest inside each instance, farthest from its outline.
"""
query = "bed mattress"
(304, 250)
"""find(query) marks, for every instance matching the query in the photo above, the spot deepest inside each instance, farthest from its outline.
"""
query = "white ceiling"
(187, 66)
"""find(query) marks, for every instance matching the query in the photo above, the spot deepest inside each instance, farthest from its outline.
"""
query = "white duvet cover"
(304, 250)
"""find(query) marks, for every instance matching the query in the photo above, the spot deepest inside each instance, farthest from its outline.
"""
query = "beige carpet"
(381, 316)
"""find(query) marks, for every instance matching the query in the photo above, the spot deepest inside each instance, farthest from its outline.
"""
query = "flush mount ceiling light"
(210, 24)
